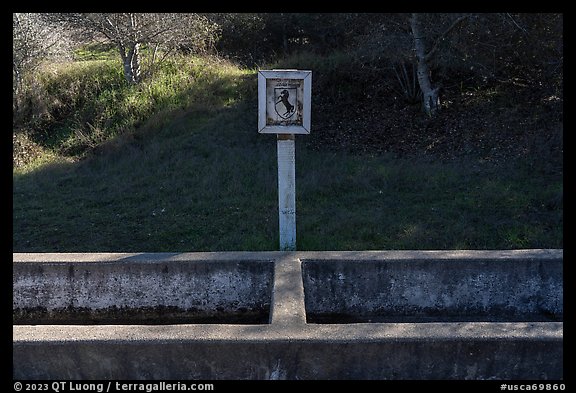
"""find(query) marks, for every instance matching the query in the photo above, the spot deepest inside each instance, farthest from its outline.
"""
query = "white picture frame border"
(306, 77)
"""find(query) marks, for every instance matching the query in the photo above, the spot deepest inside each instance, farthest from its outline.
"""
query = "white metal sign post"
(286, 192)
(284, 109)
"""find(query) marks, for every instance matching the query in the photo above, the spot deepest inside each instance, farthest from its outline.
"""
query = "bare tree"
(412, 46)
(430, 96)
(130, 31)
(34, 40)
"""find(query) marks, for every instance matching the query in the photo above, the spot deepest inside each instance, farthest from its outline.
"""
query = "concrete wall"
(426, 351)
(289, 346)
(149, 288)
(433, 290)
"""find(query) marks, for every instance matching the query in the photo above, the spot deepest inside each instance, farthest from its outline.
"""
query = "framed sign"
(284, 101)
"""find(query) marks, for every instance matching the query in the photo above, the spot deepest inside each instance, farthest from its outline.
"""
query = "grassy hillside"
(176, 164)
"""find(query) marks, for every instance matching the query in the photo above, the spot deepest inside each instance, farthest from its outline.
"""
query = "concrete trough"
(418, 315)
(432, 290)
(141, 288)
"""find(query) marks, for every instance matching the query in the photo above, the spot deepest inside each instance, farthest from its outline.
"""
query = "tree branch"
(443, 35)
(516, 24)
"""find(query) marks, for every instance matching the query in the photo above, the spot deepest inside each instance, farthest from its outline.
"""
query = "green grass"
(179, 166)
(96, 51)
(86, 103)
(382, 203)
(197, 186)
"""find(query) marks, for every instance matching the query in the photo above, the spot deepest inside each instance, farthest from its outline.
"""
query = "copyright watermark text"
(534, 386)
(109, 386)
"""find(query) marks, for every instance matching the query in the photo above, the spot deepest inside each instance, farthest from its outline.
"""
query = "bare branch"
(516, 24)
(443, 36)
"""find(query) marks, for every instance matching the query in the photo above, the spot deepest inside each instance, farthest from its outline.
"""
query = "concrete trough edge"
(548, 331)
(319, 255)
(509, 351)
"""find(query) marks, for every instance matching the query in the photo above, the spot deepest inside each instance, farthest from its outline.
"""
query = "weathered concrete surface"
(147, 288)
(507, 351)
(288, 347)
(490, 289)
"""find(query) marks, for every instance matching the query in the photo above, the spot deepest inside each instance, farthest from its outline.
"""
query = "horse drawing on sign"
(287, 105)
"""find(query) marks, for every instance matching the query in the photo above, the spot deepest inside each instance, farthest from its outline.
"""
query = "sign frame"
(266, 77)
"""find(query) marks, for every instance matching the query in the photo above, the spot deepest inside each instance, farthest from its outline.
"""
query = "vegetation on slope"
(176, 164)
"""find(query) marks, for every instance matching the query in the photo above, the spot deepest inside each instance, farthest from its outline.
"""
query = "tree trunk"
(136, 63)
(16, 87)
(17, 79)
(131, 63)
(431, 101)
